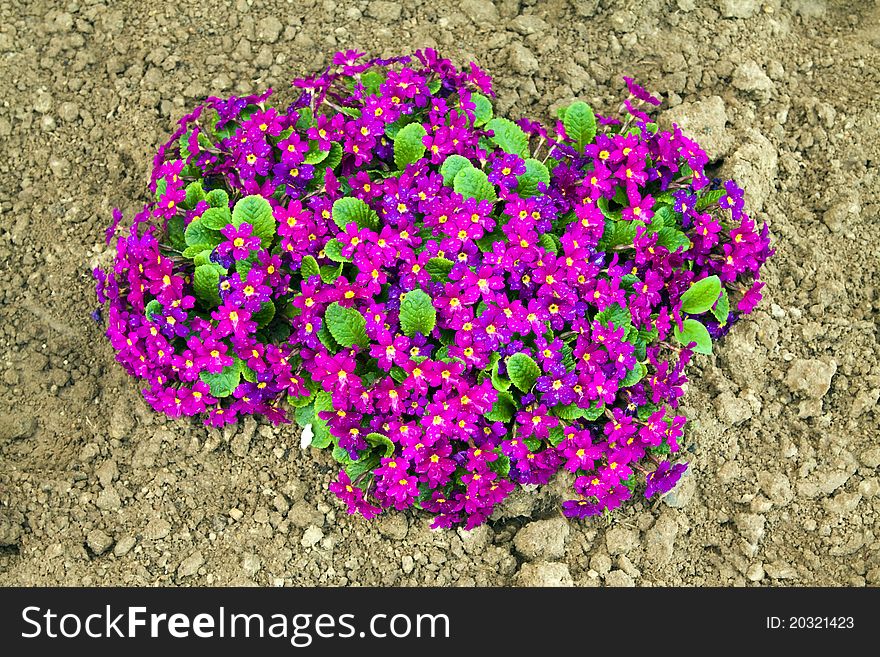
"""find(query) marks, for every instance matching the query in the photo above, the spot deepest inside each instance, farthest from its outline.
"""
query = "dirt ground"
(784, 489)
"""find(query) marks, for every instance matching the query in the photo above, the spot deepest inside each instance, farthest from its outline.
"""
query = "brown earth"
(784, 486)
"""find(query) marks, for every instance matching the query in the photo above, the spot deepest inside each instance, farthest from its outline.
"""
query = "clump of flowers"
(452, 302)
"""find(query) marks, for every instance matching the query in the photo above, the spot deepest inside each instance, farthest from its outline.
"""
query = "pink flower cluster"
(453, 302)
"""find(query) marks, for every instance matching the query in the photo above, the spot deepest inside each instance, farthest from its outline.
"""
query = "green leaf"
(594, 411)
(192, 251)
(305, 413)
(408, 146)
(708, 198)
(247, 373)
(635, 375)
(617, 315)
(580, 124)
(315, 155)
(330, 273)
(205, 282)
(548, 241)
(216, 218)
(535, 173)
(346, 325)
(153, 308)
(620, 233)
(198, 233)
(382, 442)
(693, 331)
(673, 239)
(309, 267)
(557, 435)
(224, 383)
(203, 258)
(327, 339)
(473, 183)
(334, 158)
(333, 250)
(175, 233)
(509, 136)
(722, 308)
(265, 314)
(483, 109)
(256, 211)
(354, 210)
(701, 295)
(299, 402)
(501, 465)
(194, 194)
(451, 166)
(523, 371)
(498, 382)
(503, 409)
(218, 198)
(305, 119)
(372, 80)
(321, 433)
(534, 444)
(568, 412)
(417, 313)
(439, 268)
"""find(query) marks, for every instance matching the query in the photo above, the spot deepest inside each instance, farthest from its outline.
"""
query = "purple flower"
(664, 478)
(239, 241)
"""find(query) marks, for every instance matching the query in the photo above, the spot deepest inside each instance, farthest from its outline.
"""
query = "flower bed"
(452, 302)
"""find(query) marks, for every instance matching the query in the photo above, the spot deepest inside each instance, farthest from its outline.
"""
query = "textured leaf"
(417, 313)
(693, 331)
(194, 194)
(439, 268)
(218, 198)
(330, 273)
(382, 442)
(509, 136)
(346, 325)
(224, 383)
(198, 233)
(309, 267)
(265, 314)
(580, 124)
(701, 295)
(315, 155)
(354, 210)
(205, 281)
(333, 250)
(452, 165)
(216, 218)
(333, 159)
(408, 146)
(256, 211)
(523, 371)
(503, 409)
(535, 173)
(483, 109)
(635, 375)
(153, 308)
(322, 437)
(549, 242)
(617, 315)
(722, 309)
(673, 239)
(473, 183)
(708, 198)
(192, 251)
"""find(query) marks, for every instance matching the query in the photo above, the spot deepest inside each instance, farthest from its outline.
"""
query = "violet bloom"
(664, 478)
(239, 241)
